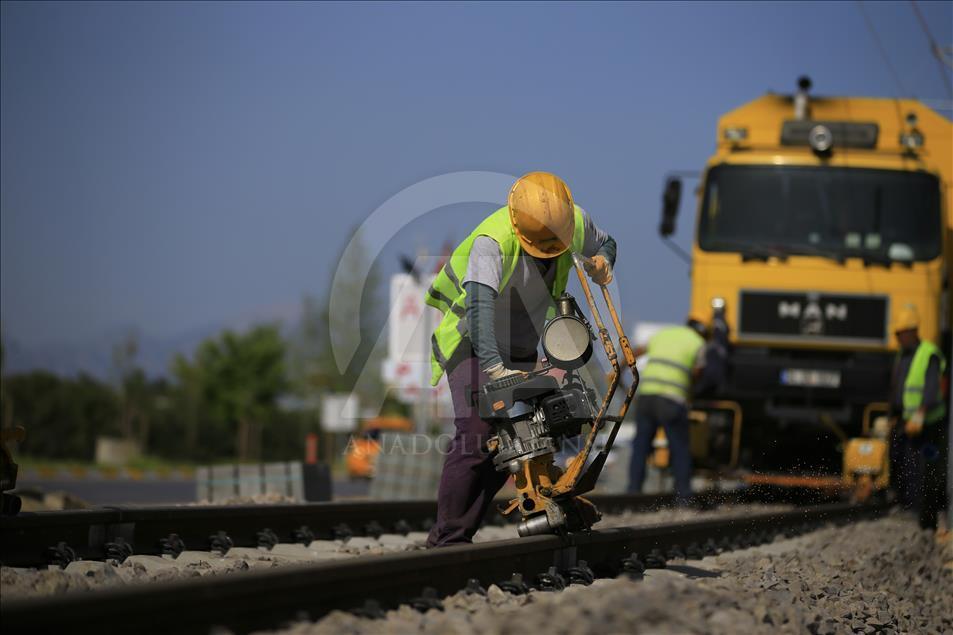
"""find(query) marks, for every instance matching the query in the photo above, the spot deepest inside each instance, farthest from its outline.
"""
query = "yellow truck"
(818, 219)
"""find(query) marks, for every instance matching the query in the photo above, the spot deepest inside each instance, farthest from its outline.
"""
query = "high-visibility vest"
(671, 358)
(447, 293)
(916, 378)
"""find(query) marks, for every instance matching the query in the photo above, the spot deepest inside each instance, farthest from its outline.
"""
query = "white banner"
(411, 323)
(339, 412)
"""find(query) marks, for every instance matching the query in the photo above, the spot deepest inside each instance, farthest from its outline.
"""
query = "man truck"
(818, 219)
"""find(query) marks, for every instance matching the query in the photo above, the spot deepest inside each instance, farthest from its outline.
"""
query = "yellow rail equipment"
(817, 221)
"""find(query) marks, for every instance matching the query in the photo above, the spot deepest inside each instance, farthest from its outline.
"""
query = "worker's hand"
(881, 427)
(599, 270)
(914, 425)
(499, 371)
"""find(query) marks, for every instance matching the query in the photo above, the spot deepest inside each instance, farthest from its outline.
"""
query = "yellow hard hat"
(542, 213)
(908, 319)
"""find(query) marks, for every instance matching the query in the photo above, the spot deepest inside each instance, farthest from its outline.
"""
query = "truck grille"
(820, 317)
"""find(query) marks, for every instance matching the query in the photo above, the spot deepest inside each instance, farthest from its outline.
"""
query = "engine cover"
(501, 399)
(531, 415)
(566, 411)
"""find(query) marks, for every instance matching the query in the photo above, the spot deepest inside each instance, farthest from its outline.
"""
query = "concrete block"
(397, 540)
(361, 542)
(150, 563)
(296, 480)
(291, 549)
(203, 484)
(116, 452)
(249, 481)
(224, 482)
(325, 545)
(194, 557)
(419, 537)
(275, 479)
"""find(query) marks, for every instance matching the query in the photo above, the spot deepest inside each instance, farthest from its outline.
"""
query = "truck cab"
(817, 221)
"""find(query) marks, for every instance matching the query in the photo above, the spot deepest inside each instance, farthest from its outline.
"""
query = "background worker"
(676, 359)
(918, 408)
(714, 356)
(495, 292)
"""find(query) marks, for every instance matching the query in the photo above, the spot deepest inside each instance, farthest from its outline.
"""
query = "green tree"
(133, 391)
(187, 403)
(238, 378)
(62, 416)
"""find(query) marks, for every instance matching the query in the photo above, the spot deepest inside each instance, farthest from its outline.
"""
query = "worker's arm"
(482, 286)
(597, 242)
(481, 312)
(600, 247)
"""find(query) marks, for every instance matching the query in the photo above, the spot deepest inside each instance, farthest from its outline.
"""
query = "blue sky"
(174, 165)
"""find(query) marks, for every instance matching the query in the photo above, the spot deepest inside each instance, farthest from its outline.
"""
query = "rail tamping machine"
(535, 414)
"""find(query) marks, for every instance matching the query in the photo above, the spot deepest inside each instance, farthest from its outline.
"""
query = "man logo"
(812, 321)
(835, 311)
(812, 315)
(789, 309)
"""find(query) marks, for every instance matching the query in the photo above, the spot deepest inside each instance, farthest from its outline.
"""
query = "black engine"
(532, 414)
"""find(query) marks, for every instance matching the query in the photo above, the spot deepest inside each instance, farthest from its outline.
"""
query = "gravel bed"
(137, 569)
(884, 576)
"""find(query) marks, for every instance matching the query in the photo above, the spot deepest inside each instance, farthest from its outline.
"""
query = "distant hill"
(94, 355)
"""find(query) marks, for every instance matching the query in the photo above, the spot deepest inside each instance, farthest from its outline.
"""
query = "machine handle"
(584, 261)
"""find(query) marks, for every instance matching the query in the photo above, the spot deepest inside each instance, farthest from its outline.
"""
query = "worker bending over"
(676, 357)
(918, 410)
(495, 292)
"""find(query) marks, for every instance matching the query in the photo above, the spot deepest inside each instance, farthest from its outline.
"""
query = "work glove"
(914, 425)
(600, 271)
(881, 428)
(499, 371)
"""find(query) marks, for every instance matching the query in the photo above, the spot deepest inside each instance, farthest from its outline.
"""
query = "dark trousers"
(652, 411)
(919, 465)
(469, 481)
(905, 476)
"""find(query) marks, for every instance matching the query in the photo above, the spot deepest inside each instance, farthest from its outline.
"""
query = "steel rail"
(270, 598)
(25, 539)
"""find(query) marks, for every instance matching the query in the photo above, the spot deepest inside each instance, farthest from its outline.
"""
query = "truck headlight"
(567, 342)
(820, 138)
(736, 134)
(912, 140)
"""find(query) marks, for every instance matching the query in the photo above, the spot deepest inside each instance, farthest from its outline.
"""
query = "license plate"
(810, 378)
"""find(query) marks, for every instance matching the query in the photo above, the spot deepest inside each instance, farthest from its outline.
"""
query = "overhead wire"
(886, 59)
(935, 49)
(882, 50)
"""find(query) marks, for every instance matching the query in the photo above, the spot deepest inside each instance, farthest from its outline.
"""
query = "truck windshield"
(879, 215)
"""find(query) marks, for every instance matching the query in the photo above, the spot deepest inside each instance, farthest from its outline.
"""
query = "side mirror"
(671, 197)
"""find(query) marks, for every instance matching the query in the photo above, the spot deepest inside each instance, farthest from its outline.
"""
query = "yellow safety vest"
(916, 378)
(447, 293)
(671, 358)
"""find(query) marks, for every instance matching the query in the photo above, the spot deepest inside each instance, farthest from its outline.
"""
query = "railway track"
(268, 598)
(42, 538)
